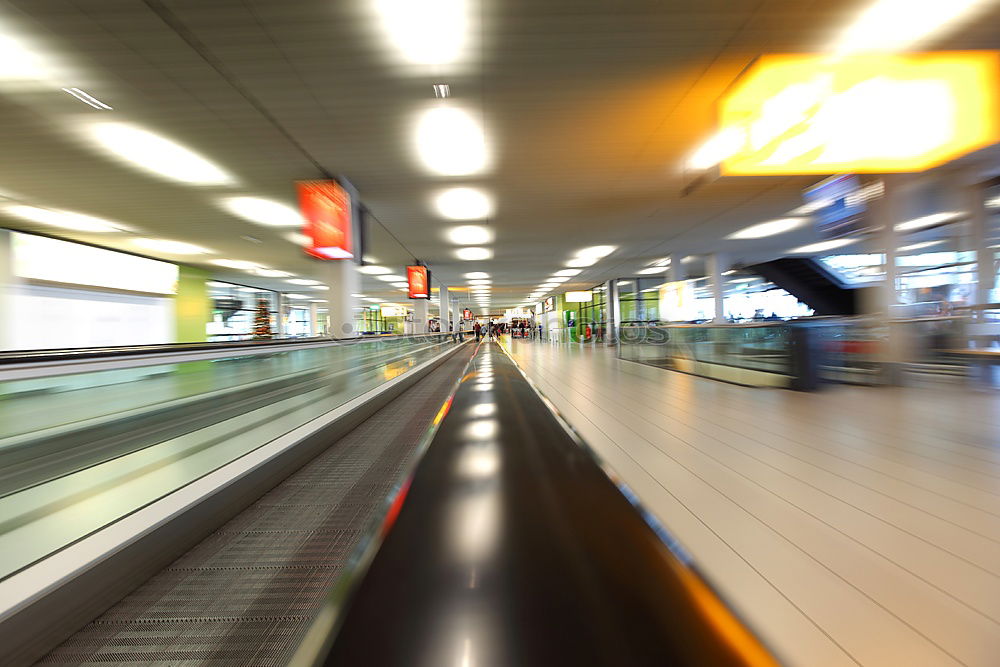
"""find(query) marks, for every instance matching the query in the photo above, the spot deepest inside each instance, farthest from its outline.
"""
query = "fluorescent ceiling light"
(919, 246)
(450, 141)
(896, 25)
(170, 247)
(769, 228)
(463, 204)
(823, 246)
(481, 282)
(993, 202)
(321, 288)
(302, 281)
(429, 32)
(651, 270)
(477, 274)
(597, 251)
(271, 273)
(87, 99)
(248, 290)
(473, 253)
(558, 279)
(927, 221)
(373, 270)
(470, 235)
(297, 296)
(64, 219)
(235, 264)
(263, 211)
(716, 149)
(158, 155)
(582, 261)
(20, 61)
(216, 283)
(400, 284)
(568, 272)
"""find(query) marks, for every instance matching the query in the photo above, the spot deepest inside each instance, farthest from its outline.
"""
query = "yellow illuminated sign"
(808, 114)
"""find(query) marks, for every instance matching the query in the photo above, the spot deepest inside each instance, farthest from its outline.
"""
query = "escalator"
(811, 283)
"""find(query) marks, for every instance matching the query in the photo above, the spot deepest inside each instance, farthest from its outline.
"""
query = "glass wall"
(593, 320)
(234, 308)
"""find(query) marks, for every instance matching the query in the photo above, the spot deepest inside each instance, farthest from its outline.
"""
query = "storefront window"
(594, 315)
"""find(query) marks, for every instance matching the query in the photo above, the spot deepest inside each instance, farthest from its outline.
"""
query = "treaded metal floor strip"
(245, 594)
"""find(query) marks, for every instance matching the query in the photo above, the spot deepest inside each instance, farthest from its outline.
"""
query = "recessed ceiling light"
(263, 211)
(823, 246)
(216, 283)
(390, 278)
(430, 32)
(473, 253)
(920, 246)
(271, 273)
(810, 207)
(449, 141)
(302, 281)
(249, 290)
(470, 235)
(568, 272)
(651, 269)
(558, 279)
(769, 228)
(235, 264)
(482, 281)
(373, 270)
(477, 274)
(597, 251)
(321, 288)
(297, 238)
(86, 98)
(463, 204)
(158, 155)
(400, 284)
(170, 247)
(297, 296)
(64, 219)
(582, 261)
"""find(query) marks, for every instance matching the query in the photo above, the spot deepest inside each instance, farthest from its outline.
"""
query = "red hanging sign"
(326, 208)
(466, 314)
(416, 280)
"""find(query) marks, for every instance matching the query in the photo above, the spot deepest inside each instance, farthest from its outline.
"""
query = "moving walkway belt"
(511, 545)
(246, 594)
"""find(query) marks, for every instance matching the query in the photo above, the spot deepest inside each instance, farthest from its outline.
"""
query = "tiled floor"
(853, 525)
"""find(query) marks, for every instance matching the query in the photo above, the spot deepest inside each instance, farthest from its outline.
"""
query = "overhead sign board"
(393, 311)
(326, 208)
(417, 282)
(466, 314)
(872, 113)
(549, 304)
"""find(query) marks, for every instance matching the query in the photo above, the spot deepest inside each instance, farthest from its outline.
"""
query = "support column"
(7, 287)
(885, 216)
(341, 276)
(314, 328)
(715, 266)
(420, 316)
(975, 203)
(676, 270)
(442, 307)
(614, 312)
(456, 313)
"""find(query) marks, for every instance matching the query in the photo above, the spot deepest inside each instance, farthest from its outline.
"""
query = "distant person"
(478, 328)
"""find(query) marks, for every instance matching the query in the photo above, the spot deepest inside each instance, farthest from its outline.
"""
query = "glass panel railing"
(79, 451)
(752, 354)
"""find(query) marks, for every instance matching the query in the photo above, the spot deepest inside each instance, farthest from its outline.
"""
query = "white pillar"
(456, 313)
(676, 270)
(975, 203)
(314, 327)
(715, 266)
(420, 316)
(613, 307)
(442, 304)
(7, 287)
(343, 280)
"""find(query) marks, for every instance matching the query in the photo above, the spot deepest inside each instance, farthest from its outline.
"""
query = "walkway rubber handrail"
(511, 544)
(66, 354)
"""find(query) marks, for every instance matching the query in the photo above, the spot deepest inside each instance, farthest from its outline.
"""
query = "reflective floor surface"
(855, 525)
